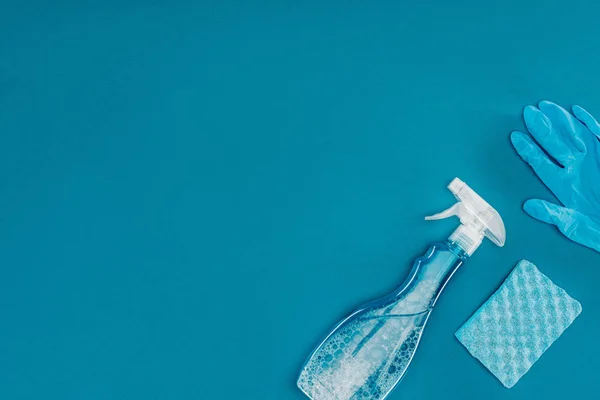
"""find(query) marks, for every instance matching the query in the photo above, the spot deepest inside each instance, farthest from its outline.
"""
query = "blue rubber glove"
(572, 140)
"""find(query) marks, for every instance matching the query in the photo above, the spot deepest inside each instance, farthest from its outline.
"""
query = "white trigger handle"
(457, 209)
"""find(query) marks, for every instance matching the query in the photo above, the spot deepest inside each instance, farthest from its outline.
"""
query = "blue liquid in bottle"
(368, 352)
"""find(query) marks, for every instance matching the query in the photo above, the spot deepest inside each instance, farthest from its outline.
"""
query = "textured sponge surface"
(512, 330)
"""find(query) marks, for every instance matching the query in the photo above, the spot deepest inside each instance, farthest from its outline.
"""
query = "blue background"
(192, 194)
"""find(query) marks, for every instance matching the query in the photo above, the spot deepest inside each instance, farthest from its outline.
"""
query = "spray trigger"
(477, 218)
(456, 209)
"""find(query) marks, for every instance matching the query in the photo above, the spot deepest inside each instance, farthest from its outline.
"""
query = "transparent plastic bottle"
(367, 353)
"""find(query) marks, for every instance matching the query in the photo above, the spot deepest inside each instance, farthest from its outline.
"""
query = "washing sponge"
(512, 330)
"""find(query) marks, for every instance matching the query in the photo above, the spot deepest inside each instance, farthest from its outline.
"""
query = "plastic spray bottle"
(368, 352)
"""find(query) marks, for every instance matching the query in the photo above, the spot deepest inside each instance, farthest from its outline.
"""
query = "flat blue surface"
(193, 194)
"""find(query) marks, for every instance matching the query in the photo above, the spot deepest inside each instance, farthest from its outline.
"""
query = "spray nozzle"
(477, 218)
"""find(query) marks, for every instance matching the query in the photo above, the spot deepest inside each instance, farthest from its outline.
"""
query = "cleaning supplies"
(512, 330)
(368, 352)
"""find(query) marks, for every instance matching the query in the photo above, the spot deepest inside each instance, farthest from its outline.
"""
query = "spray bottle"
(368, 352)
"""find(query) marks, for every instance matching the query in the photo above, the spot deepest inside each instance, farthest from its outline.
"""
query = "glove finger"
(551, 139)
(576, 226)
(530, 152)
(547, 212)
(587, 119)
(566, 125)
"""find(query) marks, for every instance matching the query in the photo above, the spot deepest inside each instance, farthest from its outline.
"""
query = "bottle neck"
(429, 276)
(467, 239)
(457, 250)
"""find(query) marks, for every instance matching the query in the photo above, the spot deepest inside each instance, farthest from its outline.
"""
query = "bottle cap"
(478, 219)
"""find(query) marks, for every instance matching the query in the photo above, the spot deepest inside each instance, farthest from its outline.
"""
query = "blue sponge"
(518, 323)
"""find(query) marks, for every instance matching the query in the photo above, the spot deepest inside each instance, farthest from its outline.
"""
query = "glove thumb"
(576, 226)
